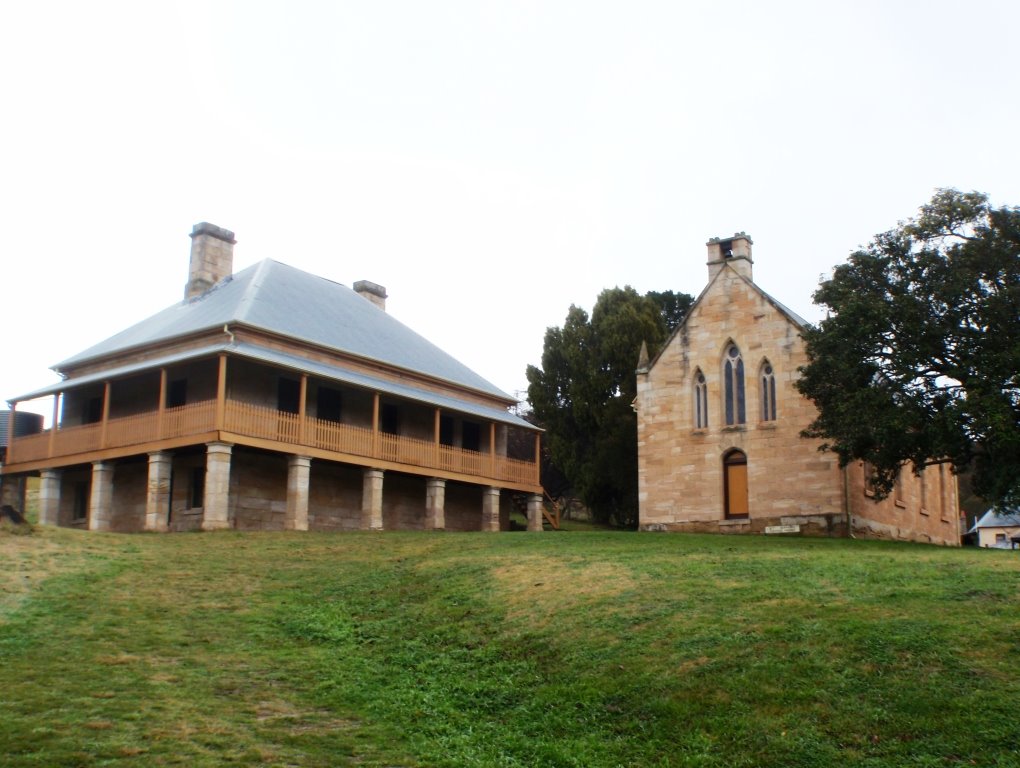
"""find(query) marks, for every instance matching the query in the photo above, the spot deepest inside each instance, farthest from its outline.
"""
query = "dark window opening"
(868, 469)
(389, 419)
(288, 395)
(445, 430)
(196, 490)
(80, 510)
(177, 393)
(471, 436)
(898, 496)
(92, 410)
(329, 404)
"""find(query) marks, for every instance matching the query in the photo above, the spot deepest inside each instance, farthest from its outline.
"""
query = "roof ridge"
(251, 290)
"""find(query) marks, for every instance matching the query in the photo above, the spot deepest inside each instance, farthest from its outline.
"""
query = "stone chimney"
(735, 251)
(374, 292)
(212, 258)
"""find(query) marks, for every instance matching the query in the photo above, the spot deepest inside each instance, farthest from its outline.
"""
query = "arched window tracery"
(733, 386)
(767, 382)
(700, 401)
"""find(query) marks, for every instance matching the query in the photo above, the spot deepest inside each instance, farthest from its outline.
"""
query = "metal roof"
(122, 371)
(995, 518)
(284, 300)
(377, 384)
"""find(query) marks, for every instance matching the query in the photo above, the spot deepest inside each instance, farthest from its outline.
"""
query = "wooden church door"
(735, 481)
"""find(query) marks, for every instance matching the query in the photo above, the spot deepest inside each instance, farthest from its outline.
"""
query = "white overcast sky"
(489, 163)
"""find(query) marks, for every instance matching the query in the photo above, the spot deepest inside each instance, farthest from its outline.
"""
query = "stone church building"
(719, 423)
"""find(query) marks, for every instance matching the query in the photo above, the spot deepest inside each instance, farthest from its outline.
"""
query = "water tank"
(24, 424)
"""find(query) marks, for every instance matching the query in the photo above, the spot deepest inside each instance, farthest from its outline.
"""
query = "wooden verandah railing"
(260, 423)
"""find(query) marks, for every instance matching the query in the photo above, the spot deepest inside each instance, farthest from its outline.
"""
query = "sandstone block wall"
(335, 497)
(258, 491)
(130, 485)
(924, 508)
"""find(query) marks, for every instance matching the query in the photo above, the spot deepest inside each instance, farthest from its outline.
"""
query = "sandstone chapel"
(719, 423)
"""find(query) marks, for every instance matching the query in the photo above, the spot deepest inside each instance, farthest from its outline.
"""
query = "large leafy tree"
(918, 359)
(583, 392)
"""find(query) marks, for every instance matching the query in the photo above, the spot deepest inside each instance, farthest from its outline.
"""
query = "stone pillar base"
(490, 509)
(101, 500)
(299, 470)
(157, 498)
(49, 497)
(435, 504)
(535, 513)
(371, 500)
(216, 504)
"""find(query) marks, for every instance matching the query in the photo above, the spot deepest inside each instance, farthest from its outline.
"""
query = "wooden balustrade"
(264, 423)
(132, 430)
(80, 439)
(189, 419)
(32, 447)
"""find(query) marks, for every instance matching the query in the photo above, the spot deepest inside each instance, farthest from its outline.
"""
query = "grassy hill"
(556, 649)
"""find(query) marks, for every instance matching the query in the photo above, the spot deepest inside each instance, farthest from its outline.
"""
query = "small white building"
(997, 528)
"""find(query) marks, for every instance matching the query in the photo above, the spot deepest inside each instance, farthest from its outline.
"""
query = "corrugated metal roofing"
(994, 518)
(122, 371)
(425, 396)
(281, 299)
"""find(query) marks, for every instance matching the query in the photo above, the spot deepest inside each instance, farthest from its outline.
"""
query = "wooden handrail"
(269, 424)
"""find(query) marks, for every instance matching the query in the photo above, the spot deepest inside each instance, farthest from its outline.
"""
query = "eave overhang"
(299, 365)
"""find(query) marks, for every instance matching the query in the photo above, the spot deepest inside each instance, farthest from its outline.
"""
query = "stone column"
(216, 504)
(49, 497)
(435, 504)
(157, 496)
(299, 469)
(490, 509)
(371, 500)
(101, 500)
(535, 512)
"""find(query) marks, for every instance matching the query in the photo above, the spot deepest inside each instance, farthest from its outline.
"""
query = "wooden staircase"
(551, 511)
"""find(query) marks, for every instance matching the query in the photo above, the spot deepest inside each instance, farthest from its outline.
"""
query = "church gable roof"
(287, 301)
(795, 319)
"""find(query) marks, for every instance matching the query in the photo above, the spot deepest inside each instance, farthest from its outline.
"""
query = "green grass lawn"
(555, 649)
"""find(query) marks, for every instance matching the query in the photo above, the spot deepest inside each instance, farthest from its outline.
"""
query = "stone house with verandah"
(273, 399)
(719, 430)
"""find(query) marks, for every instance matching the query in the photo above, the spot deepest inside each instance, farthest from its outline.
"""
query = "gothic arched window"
(768, 392)
(733, 386)
(700, 401)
